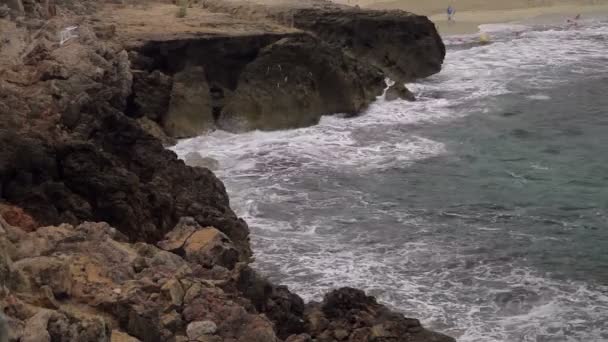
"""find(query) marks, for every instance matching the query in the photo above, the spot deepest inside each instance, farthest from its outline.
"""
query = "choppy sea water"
(481, 209)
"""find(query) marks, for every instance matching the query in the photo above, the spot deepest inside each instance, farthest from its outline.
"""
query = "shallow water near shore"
(481, 209)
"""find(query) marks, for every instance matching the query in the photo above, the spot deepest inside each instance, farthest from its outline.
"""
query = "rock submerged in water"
(195, 159)
(399, 91)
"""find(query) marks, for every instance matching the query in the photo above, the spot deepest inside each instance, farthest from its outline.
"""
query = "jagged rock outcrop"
(88, 283)
(72, 155)
(267, 82)
(295, 81)
(404, 45)
(399, 91)
(80, 283)
(335, 63)
(171, 263)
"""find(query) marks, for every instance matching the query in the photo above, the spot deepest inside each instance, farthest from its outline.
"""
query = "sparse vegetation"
(182, 11)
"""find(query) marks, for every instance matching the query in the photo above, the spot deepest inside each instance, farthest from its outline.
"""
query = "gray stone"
(197, 330)
(189, 111)
(399, 91)
(195, 159)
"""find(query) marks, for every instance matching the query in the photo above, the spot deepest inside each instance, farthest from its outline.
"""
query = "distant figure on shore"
(573, 21)
(451, 11)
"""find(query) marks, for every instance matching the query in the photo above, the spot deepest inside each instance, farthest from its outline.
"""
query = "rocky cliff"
(329, 59)
(104, 234)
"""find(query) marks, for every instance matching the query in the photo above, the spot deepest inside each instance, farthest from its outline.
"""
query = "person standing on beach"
(451, 13)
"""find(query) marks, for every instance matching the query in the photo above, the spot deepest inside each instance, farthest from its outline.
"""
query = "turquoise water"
(480, 209)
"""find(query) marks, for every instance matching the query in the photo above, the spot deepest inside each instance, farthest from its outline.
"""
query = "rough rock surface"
(335, 63)
(293, 82)
(399, 91)
(87, 283)
(404, 45)
(72, 155)
(190, 110)
(172, 254)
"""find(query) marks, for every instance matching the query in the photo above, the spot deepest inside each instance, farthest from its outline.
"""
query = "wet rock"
(152, 96)
(154, 129)
(399, 91)
(283, 308)
(404, 45)
(190, 110)
(349, 313)
(295, 81)
(195, 159)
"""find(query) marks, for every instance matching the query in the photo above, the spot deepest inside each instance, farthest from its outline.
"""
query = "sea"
(480, 209)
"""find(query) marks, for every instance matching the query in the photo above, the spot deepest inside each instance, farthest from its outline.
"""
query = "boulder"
(399, 91)
(349, 313)
(204, 246)
(404, 45)
(190, 111)
(295, 81)
(153, 94)
(195, 159)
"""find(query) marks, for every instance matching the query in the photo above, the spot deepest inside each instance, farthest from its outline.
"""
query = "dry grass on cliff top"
(156, 21)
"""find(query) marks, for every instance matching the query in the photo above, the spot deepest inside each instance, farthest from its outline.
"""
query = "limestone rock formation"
(404, 45)
(72, 155)
(190, 111)
(88, 283)
(195, 159)
(399, 91)
(335, 63)
(293, 82)
(80, 283)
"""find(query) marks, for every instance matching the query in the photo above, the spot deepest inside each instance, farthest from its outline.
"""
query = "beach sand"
(472, 13)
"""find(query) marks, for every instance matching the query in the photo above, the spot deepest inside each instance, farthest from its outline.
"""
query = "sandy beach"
(470, 14)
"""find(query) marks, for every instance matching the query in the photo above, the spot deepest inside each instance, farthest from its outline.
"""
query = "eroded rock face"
(87, 283)
(190, 111)
(95, 282)
(72, 155)
(295, 81)
(337, 64)
(399, 91)
(404, 45)
(349, 314)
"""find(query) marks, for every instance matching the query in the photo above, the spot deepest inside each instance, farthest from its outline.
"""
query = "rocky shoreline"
(107, 236)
